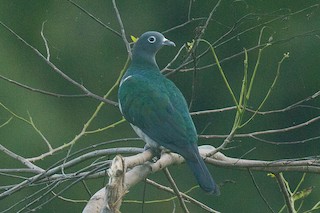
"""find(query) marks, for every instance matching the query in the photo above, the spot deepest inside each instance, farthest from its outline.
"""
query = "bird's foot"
(155, 151)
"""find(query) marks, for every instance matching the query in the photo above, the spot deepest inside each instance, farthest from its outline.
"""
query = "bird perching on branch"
(157, 110)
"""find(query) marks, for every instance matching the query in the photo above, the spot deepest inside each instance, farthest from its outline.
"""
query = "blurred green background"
(94, 56)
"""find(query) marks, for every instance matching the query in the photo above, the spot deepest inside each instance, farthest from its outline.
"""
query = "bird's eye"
(152, 39)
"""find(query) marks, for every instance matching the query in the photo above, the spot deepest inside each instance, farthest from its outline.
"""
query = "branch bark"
(286, 193)
(141, 168)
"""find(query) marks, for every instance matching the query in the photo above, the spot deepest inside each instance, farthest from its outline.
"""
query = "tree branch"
(21, 159)
(286, 193)
(176, 190)
(95, 19)
(123, 33)
(57, 70)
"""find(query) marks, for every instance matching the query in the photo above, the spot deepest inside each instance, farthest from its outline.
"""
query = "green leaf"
(303, 193)
(271, 175)
(190, 45)
(134, 39)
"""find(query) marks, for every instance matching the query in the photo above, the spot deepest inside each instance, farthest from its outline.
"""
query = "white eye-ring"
(152, 39)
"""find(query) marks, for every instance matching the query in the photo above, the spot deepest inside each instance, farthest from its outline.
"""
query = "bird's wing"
(160, 111)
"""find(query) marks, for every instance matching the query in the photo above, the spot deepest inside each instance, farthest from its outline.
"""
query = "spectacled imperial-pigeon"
(157, 110)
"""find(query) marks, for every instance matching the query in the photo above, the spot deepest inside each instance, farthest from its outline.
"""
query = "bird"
(158, 111)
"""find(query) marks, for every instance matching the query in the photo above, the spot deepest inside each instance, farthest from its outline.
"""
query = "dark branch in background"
(260, 192)
(194, 79)
(298, 104)
(189, 9)
(46, 174)
(95, 19)
(176, 190)
(42, 91)
(123, 33)
(198, 37)
(57, 70)
(267, 132)
(183, 24)
(184, 195)
(205, 26)
(21, 159)
(309, 33)
(217, 42)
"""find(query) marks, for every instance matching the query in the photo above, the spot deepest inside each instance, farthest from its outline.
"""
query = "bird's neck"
(144, 60)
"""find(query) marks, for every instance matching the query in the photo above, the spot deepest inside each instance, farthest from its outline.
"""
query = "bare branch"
(45, 41)
(21, 159)
(266, 132)
(198, 37)
(189, 9)
(260, 192)
(141, 170)
(42, 91)
(184, 195)
(183, 24)
(6, 123)
(46, 174)
(57, 70)
(298, 104)
(115, 188)
(311, 165)
(174, 58)
(123, 33)
(286, 193)
(94, 18)
(176, 190)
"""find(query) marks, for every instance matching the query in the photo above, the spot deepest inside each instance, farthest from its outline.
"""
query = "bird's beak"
(167, 42)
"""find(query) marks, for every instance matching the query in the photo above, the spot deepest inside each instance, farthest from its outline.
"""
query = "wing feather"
(160, 111)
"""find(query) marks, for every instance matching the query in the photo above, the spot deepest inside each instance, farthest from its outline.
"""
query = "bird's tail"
(202, 174)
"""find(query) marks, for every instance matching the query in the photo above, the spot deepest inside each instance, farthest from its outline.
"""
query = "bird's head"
(148, 45)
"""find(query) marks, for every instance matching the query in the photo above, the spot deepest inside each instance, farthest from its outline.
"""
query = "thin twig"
(6, 123)
(298, 104)
(45, 40)
(39, 132)
(30, 122)
(260, 192)
(21, 159)
(41, 91)
(27, 199)
(199, 36)
(87, 124)
(174, 59)
(189, 9)
(64, 189)
(49, 172)
(194, 80)
(186, 62)
(286, 142)
(123, 33)
(49, 188)
(57, 70)
(285, 192)
(184, 195)
(266, 132)
(183, 24)
(176, 190)
(94, 18)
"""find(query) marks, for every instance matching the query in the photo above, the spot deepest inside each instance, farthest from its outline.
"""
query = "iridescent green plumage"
(157, 110)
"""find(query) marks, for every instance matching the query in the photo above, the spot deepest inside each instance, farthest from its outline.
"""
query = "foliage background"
(92, 55)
